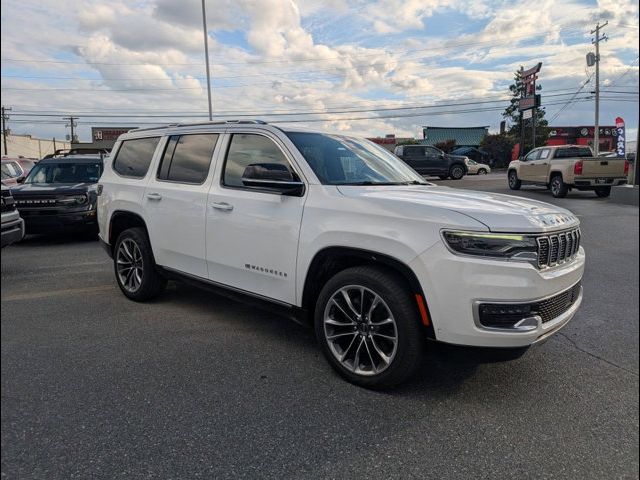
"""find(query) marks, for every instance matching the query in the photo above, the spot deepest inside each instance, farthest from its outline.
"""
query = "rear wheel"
(603, 192)
(456, 172)
(559, 189)
(368, 327)
(135, 267)
(514, 182)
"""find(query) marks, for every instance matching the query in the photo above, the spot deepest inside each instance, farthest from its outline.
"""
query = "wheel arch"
(331, 260)
(122, 220)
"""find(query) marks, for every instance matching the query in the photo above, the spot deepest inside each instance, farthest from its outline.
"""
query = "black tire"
(407, 328)
(514, 182)
(482, 171)
(443, 177)
(151, 283)
(457, 172)
(558, 188)
(603, 192)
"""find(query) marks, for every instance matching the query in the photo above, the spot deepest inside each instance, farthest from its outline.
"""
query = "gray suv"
(428, 160)
(12, 224)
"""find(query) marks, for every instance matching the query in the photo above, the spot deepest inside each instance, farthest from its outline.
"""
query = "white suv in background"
(340, 229)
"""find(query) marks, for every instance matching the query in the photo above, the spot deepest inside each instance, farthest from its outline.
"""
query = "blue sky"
(297, 60)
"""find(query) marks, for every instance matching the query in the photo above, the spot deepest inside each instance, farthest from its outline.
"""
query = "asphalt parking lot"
(198, 386)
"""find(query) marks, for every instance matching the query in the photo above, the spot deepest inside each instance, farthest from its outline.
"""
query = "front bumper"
(12, 230)
(47, 222)
(454, 286)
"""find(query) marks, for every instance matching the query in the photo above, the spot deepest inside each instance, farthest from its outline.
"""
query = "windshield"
(338, 160)
(65, 173)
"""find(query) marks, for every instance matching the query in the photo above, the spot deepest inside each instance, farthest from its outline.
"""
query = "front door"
(527, 166)
(252, 234)
(176, 202)
(436, 161)
(540, 166)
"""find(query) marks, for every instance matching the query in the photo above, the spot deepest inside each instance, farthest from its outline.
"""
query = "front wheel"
(603, 192)
(514, 182)
(482, 171)
(368, 327)
(135, 267)
(456, 172)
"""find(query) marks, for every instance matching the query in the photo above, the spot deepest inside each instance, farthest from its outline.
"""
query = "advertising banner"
(620, 138)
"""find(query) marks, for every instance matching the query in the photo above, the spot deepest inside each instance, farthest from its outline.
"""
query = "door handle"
(224, 206)
(154, 196)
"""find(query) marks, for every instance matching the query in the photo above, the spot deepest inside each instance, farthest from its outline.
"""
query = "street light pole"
(206, 57)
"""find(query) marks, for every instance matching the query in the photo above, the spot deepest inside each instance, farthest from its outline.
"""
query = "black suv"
(427, 160)
(59, 194)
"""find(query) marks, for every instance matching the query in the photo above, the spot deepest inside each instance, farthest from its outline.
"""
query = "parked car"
(59, 194)
(16, 169)
(12, 224)
(338, 230)
(475, 168)
(427, 160)
(565, 167)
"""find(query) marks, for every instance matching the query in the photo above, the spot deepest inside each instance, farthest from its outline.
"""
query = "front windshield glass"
(84, 172)
(338, 160)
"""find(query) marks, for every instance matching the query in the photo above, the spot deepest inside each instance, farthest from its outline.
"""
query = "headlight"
(73, 200)
(504, 246)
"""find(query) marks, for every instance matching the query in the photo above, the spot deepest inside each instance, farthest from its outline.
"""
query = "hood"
(456, 157)
(50, 188)
(500, 213)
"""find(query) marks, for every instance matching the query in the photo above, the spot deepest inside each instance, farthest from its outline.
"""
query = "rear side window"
(251, 149)
(134, 156)
(187, 158)
(573, 152)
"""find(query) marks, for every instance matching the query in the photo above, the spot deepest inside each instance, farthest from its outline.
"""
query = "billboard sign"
(620, 138)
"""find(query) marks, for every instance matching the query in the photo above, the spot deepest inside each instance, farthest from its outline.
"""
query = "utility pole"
(5, 117)
(72, 123)
(522, 94)
(596, 42)
(206, 57)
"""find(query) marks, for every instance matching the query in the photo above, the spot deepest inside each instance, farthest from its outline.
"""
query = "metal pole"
(596, 130)
(206, 57)
(522, 94)
(533, 121)
(5, 117)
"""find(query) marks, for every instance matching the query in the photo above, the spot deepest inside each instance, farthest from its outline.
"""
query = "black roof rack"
(195, 124)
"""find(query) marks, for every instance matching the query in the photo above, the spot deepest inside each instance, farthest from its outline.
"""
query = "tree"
(512, 115)
(447, 146)
(499, 147)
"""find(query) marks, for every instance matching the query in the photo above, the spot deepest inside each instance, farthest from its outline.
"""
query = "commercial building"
(30, 147)
(103, 137)
(390, 141)
(463, 136)
(583, 136)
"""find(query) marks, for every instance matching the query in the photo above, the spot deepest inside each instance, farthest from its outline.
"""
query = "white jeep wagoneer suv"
(343, 230)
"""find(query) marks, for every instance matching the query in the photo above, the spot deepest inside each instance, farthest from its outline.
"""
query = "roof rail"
(208, 122)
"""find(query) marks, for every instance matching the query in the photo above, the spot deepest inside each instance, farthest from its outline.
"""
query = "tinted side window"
(187, 158)
(134, 156)
(249, 149)
(432, 152)
(414, 151)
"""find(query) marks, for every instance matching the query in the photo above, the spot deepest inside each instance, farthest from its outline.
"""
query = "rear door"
(176, 202)
(414, 156)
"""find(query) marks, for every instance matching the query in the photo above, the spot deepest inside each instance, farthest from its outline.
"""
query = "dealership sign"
(529, 98)
(620, 138)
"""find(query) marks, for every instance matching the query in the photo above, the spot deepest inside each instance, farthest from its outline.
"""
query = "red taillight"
(577, 168)
(626, 167)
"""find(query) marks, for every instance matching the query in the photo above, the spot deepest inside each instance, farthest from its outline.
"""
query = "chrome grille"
(557, 248)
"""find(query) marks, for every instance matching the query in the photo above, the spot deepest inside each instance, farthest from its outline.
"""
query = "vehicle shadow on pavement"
(41, 240)
(444, 367)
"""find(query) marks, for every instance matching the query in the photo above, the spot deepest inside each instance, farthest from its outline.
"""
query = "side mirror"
(21, 179)
(272, 177)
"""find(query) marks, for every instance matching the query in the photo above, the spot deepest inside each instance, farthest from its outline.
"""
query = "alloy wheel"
(129, 265)
(457, 173)
(360, 330)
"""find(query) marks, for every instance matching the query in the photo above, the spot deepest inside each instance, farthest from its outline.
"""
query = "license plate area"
(601, 181)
